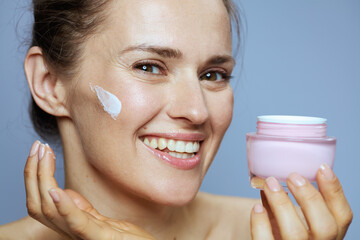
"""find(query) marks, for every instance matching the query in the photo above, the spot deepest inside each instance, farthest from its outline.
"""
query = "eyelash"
(139, 67)
(225, 76)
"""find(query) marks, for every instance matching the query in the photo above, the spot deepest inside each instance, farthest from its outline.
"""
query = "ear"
(47, 90)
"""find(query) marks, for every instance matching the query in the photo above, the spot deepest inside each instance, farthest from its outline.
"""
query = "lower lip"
(185, 164)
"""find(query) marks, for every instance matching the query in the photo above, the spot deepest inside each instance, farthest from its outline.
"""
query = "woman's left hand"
(327, 213)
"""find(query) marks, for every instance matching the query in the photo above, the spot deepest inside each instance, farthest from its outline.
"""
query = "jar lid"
(291, 119)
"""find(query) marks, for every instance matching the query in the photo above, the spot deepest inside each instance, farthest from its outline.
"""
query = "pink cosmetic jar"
(286, 144)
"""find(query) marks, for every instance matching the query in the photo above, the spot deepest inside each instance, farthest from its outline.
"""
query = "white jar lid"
(291, 119)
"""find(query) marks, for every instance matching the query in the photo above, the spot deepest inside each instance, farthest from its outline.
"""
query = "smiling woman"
(139, 93)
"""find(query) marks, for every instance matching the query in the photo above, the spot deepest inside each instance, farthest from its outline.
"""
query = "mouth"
(183, 154)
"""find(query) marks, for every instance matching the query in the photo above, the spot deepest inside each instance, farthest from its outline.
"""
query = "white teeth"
(171, 145)
(162, 143)
(181, 155)
(153, 143)
(180, 146)
(189, 148)
(196, 147)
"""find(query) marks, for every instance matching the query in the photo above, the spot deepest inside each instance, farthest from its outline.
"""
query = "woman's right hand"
(66, 211)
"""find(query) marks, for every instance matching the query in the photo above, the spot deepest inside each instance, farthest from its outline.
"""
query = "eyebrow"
(168, 52)
(220, 59)
(165, 52)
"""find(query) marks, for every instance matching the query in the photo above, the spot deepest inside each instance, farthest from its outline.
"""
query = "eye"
(149, 68)
(214, 76)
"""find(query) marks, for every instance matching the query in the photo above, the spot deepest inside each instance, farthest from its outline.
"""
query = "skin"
(137, 195)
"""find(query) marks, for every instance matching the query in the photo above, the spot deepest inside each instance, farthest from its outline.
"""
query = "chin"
(175, 196)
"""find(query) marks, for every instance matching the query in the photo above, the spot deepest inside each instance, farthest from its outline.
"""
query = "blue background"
(300, 58)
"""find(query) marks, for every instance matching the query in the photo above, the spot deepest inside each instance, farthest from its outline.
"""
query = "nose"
(187, 101)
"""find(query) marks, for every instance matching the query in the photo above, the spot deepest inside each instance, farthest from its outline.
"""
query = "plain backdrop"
(300, 58)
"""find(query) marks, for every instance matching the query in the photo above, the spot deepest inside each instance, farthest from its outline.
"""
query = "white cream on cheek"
(111, 104)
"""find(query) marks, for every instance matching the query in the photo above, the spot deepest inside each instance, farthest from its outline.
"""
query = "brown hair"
(60, 27)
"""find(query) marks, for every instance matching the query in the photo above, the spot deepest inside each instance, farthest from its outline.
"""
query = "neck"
(113, 201)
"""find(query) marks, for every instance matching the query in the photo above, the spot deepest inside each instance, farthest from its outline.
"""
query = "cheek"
(141, 103)
(96, 128)
(221, 110)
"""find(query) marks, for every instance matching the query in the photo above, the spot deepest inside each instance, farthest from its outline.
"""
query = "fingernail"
(258, 208)
(273, 184)
(326, 171)
(41, 151)
(54, 195)
(34, 148)
(297, 179)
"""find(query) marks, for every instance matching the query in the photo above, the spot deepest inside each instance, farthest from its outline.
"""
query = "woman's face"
(167, 61)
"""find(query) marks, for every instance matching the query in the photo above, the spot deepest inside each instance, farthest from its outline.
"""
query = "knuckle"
(283, 202)
(346, 219)
(48, 212)
(79, 228)
(35, 215)
(41, 175)
(330, 231)
(313, 196)
(33, 209)
(325, 234)
(64, 213)
(298, 235)
(337, 190)
(27, 172)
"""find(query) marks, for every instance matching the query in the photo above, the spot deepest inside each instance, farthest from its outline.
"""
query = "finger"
(33, 198)
(321, 223)
(33, 201)
(83, 204)
(260, 223)
(290, 225)
(273, 223)
(46, 181)
(126, 229)
(81, 224)
(333, 194)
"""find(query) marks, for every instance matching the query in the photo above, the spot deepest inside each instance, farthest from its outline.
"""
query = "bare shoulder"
(26, 229)
(229, 215)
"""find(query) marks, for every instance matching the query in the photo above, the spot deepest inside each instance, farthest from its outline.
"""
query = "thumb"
(83, 203)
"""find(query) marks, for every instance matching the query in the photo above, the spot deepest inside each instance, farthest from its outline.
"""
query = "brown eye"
(149, 68)
(212, 76)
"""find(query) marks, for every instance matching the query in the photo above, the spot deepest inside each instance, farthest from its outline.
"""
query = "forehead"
(189, 25)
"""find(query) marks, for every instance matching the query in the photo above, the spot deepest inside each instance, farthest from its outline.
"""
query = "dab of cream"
(109, 101)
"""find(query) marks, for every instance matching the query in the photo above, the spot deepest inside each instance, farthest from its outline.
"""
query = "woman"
(139, 92)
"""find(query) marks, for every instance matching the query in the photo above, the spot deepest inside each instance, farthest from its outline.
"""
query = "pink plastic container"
(286, 144)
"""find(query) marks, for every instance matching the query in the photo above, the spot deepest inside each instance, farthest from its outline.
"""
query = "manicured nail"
(273, 184)
(297, 179)
(34, 148)
(258, 208)
(54, 195)
(326, 171)
(41, 151)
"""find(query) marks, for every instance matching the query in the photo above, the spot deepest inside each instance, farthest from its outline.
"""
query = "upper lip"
(178, 136)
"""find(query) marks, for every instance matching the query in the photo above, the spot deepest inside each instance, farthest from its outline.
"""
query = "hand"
(327, 213)
(66, 211)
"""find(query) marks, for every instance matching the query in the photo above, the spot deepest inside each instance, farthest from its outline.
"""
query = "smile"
(179, 149)
(179, 153)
